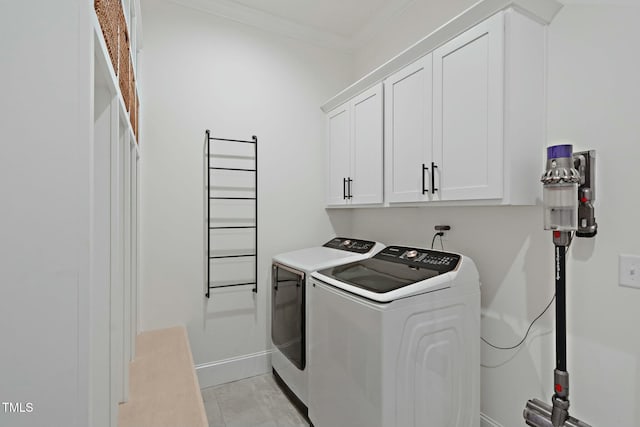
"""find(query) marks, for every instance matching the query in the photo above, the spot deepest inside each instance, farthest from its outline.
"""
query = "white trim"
(233, 369)
(137, 9)
(540, 10)
(486, 421)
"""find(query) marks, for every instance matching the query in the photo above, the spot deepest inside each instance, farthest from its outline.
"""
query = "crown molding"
(255, 18)
(542, 10)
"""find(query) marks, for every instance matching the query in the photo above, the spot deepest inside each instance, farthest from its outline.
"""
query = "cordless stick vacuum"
(568, 183)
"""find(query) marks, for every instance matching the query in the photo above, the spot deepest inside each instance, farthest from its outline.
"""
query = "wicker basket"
(114, 28)
(106, 10)
(132, 84)
(124, 63)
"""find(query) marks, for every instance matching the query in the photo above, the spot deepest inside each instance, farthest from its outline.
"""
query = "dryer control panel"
(441, 262)
(351, 245)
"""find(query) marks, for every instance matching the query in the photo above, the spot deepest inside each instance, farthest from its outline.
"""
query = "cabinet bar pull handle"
(433, 178)
(344, 188)
(424, 168)
(349, 194)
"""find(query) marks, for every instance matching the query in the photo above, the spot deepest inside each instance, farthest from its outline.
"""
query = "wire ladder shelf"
(230, 254)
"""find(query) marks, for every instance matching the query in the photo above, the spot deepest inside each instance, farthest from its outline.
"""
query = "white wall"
(593, 98)
(44, 213)
(403, 29)
(204, 72)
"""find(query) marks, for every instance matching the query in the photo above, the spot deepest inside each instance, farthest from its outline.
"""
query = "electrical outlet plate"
(629, 270)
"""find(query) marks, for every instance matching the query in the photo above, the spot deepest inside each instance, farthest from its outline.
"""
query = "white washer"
(290, 304)
(396, 341)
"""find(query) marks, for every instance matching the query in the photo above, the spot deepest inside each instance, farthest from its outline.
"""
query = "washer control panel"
(420, 258)
(351, 245)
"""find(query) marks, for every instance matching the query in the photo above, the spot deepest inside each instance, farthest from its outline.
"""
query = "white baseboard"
(233, 369)
(486, 421)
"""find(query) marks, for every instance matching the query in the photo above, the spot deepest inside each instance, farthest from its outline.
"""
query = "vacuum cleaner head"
(538, 414)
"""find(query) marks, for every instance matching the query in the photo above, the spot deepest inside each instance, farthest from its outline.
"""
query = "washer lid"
(393, 268)
(378, 276)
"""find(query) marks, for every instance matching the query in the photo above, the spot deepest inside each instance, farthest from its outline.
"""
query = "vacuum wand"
(560, 399)
(561, 215)
(561, 308)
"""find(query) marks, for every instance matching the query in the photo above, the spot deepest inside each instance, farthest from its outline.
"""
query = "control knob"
(411, 254)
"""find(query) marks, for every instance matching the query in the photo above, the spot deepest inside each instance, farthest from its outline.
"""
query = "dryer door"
(288, 313)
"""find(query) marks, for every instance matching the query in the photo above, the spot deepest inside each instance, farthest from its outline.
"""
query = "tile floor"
(253, 402)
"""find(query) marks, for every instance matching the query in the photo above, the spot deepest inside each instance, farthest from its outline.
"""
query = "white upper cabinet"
(464, 116)
(408, 132)
(339, 151)
(443, 121)
(473, 131)
(366, 147)
(468, 114)
(355, 150)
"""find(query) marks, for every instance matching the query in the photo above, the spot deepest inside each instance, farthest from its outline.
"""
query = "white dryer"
(290, 306)
(396, 341)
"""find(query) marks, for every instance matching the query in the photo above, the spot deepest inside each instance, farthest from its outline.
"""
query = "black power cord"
(534, 320)
(526, 334)
(438, 234)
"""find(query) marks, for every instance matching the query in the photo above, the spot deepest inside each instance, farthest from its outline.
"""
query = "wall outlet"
(629, 270)
(444, 229)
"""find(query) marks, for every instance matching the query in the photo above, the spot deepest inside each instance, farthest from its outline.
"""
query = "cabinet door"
(468, 113)
(366, 147)
(339, 154)
(408, 109)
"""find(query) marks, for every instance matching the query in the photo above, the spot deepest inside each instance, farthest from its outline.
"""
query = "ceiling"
(344, 18)
(344, 24)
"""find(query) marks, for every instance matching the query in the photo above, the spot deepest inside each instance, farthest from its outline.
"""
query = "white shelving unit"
(116, 187)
